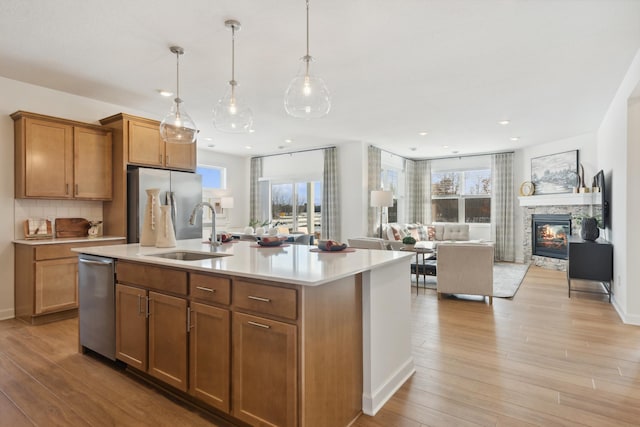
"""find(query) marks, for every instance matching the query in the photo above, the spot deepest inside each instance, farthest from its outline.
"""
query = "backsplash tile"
(52, 209)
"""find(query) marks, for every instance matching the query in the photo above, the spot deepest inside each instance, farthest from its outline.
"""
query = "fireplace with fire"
(551, 235)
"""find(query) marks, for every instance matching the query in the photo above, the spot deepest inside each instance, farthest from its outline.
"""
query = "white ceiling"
(453, 68)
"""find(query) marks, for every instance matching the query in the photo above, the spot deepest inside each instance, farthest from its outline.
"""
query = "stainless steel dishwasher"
(97, 312)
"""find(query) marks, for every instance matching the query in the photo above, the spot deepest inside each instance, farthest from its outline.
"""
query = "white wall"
(237, 186)
(585, 144)
(618, 149)
(354, 198)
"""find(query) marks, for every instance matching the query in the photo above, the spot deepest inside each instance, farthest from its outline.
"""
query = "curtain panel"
(254, 188)
(502, 200)
(330, 212)
(374, 159)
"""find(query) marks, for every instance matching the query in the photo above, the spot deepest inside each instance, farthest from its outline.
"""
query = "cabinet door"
(180, 156)
(168, 339)
(48, 159)
(145, 145)
(209, 355)
(56, 285)
(264, 371)
(92, 164)
(131, 326)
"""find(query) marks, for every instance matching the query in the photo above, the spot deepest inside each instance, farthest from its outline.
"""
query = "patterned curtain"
(330, 212)
(418, 186)
(254, 189)
(374, 170)
(502, 200)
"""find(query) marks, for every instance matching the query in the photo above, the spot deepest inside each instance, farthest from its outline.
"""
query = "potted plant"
(408, 242)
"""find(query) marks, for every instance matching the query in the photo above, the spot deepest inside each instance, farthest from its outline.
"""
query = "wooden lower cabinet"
(265, 379)
(151, 333)
(168, 339)
(131, 326)
(46, 280)
(209, 355)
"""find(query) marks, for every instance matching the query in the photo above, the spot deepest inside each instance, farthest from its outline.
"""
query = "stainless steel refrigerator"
(182, 190)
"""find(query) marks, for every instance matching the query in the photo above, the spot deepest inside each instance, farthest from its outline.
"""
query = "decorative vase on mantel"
(165, 235)
(151, 218)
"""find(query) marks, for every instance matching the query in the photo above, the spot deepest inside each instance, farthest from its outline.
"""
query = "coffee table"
(425, 268)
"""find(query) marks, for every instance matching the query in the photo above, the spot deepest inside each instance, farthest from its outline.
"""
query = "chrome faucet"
(192, 221)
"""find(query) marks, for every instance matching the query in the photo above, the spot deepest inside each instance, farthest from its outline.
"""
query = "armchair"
(465, 269)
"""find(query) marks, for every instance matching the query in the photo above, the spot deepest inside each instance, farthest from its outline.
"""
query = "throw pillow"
(397, 233)
(422, 233)
(431, 233)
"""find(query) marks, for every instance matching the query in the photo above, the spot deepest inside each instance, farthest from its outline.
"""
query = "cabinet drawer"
(63, 250)
(210, 288)
(281, 302)
(156, 278)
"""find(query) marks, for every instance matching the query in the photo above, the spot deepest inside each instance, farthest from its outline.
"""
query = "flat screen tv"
(604, 201)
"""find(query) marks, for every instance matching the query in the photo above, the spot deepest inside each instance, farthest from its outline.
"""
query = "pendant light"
(230, 115)
(178, 127)
(307, 96)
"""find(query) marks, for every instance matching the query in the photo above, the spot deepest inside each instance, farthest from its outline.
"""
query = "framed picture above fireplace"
(555, 173)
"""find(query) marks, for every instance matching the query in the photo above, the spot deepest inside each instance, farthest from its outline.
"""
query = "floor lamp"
(381, 199)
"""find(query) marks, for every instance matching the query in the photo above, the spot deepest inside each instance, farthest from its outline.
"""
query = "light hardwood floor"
(539, 359)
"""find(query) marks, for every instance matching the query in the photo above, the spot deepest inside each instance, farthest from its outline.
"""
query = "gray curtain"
(374, 171)
(330, 212)
(254, 189)
(418, 177)
(502, 200)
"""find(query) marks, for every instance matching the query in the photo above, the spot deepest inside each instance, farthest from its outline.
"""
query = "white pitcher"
(151, 218)
(165, 236)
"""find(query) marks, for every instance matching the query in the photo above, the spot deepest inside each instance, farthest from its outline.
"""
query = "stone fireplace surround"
(577, 205)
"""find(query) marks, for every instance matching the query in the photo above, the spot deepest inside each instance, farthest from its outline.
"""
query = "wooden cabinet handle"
(148, 313)
(260, 325)
(66, 188)
(259, 298)
(160, 158)
(189, 324)
(166, 158)
(202, 288)
(76, 189)
(139, 304)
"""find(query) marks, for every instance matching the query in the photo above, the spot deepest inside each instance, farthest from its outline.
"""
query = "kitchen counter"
(294, 264)
(387, 360)
(58, 240)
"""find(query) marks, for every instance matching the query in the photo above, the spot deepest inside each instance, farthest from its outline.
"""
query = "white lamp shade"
(381, 198)
(226, 202)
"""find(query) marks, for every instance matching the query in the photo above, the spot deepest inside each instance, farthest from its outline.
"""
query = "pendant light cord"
(178, 100)
(233, 53)
(307, 28)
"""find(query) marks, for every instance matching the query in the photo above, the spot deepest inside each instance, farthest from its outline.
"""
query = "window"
(214, 179)
(461, 196)
(297, 206)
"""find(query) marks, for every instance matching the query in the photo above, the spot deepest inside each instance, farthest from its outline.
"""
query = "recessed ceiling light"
(165, 93)
(280, 147)
(455, 151)
(247, 147)
(252, 130)
(288, 141)
(210, 145)
(413, 148)
(207, 138)
(423, 133)
(515, 138)
(445, 146)
(504, 122)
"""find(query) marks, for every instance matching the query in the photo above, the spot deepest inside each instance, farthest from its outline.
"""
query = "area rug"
(507, 277)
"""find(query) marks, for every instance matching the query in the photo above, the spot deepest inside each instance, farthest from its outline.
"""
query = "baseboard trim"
(626, 319)
(7, 313)
(372, 404)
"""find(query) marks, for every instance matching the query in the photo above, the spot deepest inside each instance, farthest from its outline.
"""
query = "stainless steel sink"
(189, 256)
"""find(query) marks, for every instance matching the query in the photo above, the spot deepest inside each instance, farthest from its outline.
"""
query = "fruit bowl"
(331, 245)
(271, 241)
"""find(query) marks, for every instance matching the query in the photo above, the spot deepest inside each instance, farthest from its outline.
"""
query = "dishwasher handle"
(92, 262)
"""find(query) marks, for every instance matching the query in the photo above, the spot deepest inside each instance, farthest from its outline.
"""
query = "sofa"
(427, 236)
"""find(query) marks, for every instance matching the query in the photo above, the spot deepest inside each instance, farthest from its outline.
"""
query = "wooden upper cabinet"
(92, 164)
(61, 159)
(145, 145)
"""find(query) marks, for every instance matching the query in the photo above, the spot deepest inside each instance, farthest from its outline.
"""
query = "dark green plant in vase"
(408, 240)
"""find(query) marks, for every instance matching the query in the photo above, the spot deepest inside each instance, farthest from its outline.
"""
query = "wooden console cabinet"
(46, 280)
(590, 261)
(61, 159)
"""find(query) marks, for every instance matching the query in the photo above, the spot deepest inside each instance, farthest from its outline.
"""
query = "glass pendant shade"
(307, 96)
(231, 115)
(178, 127)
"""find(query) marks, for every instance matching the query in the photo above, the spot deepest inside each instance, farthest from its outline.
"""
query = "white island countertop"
(295, 264)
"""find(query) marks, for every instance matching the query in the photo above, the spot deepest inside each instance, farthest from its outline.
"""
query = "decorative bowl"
(271, 243)
(322, 245)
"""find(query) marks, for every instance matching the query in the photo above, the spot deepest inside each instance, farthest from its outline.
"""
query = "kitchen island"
(297, 337)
